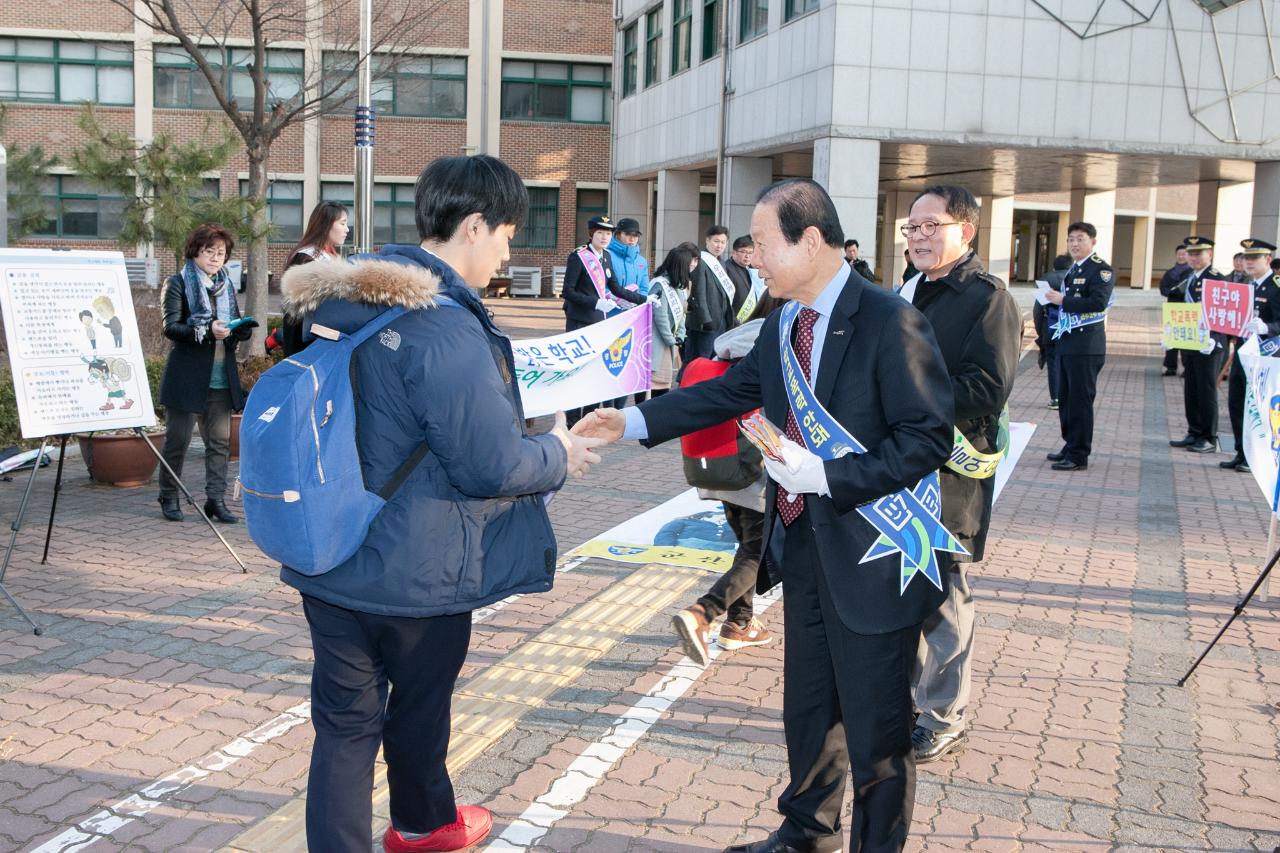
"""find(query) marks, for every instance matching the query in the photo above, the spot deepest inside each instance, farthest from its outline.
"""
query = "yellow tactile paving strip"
(489, 705)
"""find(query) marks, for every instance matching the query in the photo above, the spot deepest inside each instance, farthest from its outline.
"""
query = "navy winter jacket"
(468, 526)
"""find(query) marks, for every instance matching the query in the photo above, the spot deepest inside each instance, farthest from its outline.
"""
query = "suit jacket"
(883, 378)
(741, 284)
(580, 295)
(710, 311)
(1087, 291)
(979, 330)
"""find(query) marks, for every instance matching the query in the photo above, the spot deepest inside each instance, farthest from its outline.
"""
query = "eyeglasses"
(928, 228)
(218, 251)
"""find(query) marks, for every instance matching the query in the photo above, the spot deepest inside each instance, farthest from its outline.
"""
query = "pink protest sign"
(1228, 306)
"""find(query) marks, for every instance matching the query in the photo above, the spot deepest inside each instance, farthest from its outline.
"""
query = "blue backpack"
(305, 499)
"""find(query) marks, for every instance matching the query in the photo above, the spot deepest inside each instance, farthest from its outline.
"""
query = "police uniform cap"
(1197, 244)
(1254, 246)
(599, 223)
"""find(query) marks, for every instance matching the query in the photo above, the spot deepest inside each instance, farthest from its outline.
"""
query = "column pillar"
(677, 210)
(1144, 244)
(1266, 202)
(1060, 234)
(630, 199)
(1099, 210)
(897, 208)
(1224, 215)
(745, 177)
(995, 234)
(849, 170)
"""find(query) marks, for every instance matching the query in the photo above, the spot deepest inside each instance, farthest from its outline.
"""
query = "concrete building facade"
(1151, 119)
(527, 80)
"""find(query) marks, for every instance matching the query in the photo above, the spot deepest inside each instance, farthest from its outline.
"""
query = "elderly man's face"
(784, 267)
(949, 241)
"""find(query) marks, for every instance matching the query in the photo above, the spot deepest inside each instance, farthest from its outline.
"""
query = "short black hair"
(961, 205)
(802, 203)
(1237, 256)
(86, 313)
(452, 188)
(744, 242)
(848, 243)
(1084, 227)
(1062, 262)
(715, 230)
(1182, 247)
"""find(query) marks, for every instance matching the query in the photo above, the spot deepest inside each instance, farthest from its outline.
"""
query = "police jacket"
(979, 331)
(1086, 289)
(579, 292)
(1193, 288)
(1172, 281)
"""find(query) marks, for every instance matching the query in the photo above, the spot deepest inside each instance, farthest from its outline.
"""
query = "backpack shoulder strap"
(375, 325)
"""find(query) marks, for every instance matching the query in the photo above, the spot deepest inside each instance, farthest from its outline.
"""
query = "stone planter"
(120, 460)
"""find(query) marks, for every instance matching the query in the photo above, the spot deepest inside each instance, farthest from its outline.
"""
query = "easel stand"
(13, 534)
(1262, 578)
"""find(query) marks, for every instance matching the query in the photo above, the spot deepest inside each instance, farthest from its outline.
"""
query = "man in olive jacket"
(979, 331)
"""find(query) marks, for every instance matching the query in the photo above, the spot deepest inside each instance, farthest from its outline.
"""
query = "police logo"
(1274, 411)
(624, 551)
(618, 353)
(1248, 244)
(1105, 275)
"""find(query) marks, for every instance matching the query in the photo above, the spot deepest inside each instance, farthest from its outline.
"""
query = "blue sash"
(908, 522)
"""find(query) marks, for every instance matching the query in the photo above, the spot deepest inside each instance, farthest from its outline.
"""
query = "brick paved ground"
(1098, 590)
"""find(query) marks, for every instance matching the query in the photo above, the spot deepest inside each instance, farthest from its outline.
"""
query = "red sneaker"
(472, 825)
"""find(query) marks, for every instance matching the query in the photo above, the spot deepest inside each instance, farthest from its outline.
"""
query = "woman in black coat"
(201, 382)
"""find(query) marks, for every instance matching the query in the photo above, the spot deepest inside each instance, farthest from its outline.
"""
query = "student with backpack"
(430, 423)
(725, 466)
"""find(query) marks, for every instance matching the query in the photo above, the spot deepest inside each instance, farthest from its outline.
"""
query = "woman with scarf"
(201, 382)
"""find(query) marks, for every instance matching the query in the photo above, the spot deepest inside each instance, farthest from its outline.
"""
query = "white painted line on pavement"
(599, 758)
(107, 821)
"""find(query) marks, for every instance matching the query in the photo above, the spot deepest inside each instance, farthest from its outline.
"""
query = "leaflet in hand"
(1042, 287)
(763, 434)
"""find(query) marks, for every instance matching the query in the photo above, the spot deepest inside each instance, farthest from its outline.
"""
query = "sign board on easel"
(73, 342)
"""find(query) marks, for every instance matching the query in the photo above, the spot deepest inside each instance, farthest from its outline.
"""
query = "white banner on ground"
(1019, 437)
(1262, 418)
(74, 349)
(596, 363)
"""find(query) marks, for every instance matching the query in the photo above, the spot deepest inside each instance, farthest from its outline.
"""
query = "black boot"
(217, 509)
(171, 509)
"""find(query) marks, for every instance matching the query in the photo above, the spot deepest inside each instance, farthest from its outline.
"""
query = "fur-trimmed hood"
(370, 280)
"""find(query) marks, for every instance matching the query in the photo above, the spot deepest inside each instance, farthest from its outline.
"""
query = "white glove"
(801, 472)
(654, 298)
(1258, 326)
(604, 305)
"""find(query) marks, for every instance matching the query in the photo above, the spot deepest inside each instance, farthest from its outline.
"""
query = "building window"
(284, 209)
(755, 19)
(796, 8)
(629, 61)
(180, 84)
(556, 91)
(393, 220)
(710, 28)
(652, 45)
(706, 215)
(590, 203)
(79, 210)
(432, 86)
(681, 34)
(541, 227)
(66, 72)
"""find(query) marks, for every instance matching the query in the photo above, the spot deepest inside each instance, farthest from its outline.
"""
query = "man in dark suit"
(1258, 254)
(709, 313)
(859, 264)
(852, 630)
(1171, 290)
(979, 330)
(1082, 344)
(739, 269)
(1200, 370)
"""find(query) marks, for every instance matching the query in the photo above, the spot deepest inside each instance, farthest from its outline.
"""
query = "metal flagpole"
(364, 132)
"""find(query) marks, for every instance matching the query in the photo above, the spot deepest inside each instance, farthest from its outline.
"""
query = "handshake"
(599, 427)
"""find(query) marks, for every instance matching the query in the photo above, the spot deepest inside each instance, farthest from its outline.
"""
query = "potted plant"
(119, 457)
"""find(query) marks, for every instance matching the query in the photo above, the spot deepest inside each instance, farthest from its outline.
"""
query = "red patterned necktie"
(790, 510)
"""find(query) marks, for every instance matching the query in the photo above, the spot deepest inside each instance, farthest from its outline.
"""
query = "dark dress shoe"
(1068, 465)
(1055, 457)
(1232, 463)
(1244, 468)
(1170, 373)
(929, 745)
(171, 509)
(1185, 441)
(218, 510)
(774, 844)
(1204, 445)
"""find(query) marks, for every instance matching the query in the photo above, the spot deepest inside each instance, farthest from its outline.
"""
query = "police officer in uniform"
(1084, 299)
(1200, 369)
(1258, 255)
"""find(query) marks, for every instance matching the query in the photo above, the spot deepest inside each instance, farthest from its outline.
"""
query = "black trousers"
(1200, 392)
(1077, 387)
(700, 345)
(733, 593)
(380, 681)
(846, 703)
(1235, 403)
(1171, 359)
